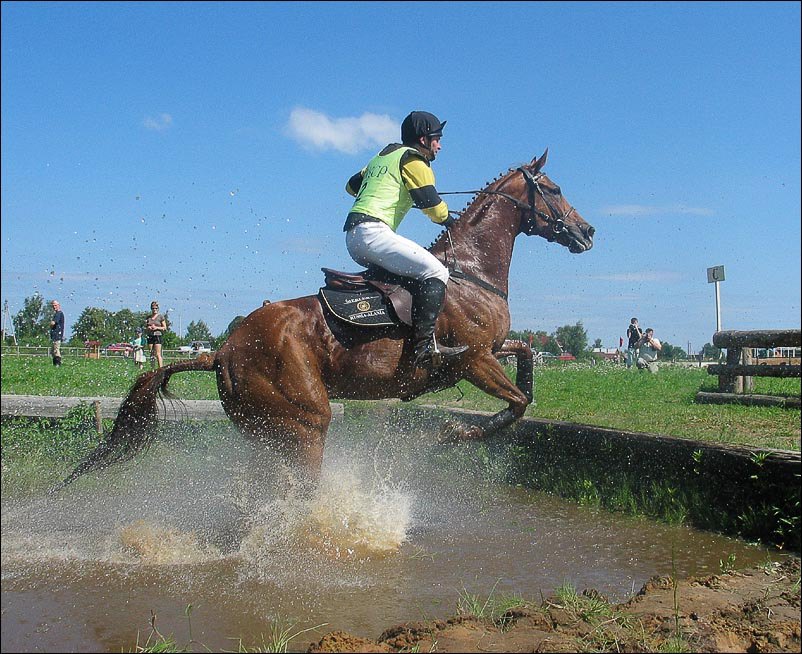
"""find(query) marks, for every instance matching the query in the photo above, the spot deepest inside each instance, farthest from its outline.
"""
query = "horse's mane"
(478, 199)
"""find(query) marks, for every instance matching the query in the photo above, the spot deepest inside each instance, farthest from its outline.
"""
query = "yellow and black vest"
(383, 194)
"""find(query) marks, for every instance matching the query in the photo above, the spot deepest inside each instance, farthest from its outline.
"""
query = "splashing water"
(349, 517)
(351, 521)
(164, 546)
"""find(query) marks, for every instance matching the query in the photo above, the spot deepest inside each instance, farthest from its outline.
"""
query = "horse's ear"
(539, 163)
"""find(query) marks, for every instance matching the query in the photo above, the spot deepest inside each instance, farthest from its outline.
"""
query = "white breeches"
(375, 243)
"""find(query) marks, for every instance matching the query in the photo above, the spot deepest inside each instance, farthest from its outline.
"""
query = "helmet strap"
(425, 147)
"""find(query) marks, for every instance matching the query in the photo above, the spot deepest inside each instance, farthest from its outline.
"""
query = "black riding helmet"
(420, 123)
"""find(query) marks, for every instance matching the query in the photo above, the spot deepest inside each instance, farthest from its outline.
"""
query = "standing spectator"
(633, 336)
(139, 348)
(156, 326)
(648, 348)
(57, 332)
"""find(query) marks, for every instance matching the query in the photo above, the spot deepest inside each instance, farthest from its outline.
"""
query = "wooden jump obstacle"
(735, 381)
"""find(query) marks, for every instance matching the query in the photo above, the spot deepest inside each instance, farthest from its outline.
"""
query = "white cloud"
(645, 210)
(350, 135)
(158, 124)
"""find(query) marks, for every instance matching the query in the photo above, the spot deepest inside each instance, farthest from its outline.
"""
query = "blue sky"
(197, 153)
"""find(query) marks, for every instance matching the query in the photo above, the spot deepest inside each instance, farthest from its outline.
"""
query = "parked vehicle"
(119, 348)
(546, 357)
(195, 348)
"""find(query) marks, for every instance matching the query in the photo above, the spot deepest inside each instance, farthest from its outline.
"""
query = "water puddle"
(393, 534)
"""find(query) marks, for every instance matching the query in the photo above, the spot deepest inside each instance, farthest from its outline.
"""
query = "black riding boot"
(426, 305)
(57, 361)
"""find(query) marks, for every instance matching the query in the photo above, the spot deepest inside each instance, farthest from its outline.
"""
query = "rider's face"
(432, 143)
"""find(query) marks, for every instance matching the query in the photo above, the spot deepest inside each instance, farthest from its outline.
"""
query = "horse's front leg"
(487, 374)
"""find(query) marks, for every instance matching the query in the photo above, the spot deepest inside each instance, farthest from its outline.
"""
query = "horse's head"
(545, 212)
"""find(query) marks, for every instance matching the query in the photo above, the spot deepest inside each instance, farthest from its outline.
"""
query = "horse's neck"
(483, 240)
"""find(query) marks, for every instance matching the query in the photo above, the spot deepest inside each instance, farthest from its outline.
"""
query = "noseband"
(530, 211)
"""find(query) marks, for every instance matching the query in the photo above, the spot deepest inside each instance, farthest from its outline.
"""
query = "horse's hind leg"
(281, 473)
(293, 431)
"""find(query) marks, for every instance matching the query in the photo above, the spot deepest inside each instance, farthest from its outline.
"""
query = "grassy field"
(602, 395)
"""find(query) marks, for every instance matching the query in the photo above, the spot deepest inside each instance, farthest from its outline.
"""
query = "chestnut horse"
(282, 365)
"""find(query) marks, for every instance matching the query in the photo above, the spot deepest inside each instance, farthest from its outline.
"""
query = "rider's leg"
(375, 243)
(426, 305)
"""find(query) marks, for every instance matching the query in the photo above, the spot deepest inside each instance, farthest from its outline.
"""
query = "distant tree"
(236, 322)
(198, 331)
(32, 323)
(170, 340)
(597, 343)
(573, 338)
(520, 336)
(126, 322)
(710, 351)
(95, 324)
(539, 341)
(672, 352)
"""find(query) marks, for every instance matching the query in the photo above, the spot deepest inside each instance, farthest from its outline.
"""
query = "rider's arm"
(353, 185)
(419, 180)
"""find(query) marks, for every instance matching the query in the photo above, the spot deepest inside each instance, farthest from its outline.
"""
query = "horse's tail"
(135, 426)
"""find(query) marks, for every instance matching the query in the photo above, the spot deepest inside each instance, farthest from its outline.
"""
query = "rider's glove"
(448, 223)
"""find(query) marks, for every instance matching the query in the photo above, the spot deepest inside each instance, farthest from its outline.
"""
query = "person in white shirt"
(648, 349)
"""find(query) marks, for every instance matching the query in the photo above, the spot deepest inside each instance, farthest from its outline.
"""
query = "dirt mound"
(755, 610)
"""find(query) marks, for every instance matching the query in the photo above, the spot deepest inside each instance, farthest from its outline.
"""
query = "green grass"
(79, 377)
(601, 395)
(617, 398)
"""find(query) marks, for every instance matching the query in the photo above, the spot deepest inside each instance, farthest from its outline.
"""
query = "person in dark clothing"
(57, 332)
(634, 333)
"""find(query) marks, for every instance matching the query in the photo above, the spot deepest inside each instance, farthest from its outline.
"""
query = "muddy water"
(397, 532)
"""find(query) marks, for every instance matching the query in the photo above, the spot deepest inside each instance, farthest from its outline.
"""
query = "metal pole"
(718, 310)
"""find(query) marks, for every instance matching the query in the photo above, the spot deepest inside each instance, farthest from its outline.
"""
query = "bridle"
(528, 223)
(530, 210)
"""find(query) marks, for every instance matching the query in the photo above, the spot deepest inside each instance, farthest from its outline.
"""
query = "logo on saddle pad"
(366, 308)
(366, 300)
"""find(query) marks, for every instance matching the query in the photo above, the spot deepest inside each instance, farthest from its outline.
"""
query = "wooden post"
(98, 417)
(729, 383)
(747, 383)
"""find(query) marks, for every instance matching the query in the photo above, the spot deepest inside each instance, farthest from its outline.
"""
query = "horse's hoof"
(453, 432)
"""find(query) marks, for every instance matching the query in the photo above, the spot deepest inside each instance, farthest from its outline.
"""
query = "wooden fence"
(35, 406)
(735, 383)
(83, 352)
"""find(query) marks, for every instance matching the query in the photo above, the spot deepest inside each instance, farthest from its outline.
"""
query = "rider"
(397, 178)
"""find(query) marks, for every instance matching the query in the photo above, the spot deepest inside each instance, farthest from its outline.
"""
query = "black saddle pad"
(367, 308)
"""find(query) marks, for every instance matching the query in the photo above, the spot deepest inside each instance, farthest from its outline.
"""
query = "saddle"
(371, 298)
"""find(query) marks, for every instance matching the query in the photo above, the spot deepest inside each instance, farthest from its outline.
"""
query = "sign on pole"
(716, 275)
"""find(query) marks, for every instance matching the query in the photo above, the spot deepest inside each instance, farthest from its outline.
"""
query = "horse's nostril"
(591, 230)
